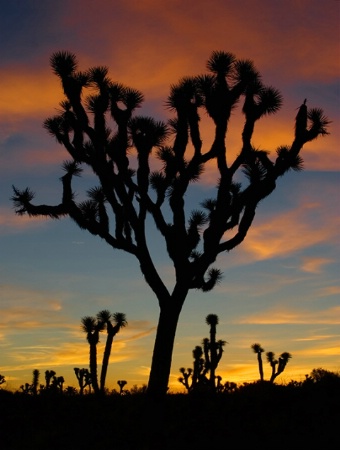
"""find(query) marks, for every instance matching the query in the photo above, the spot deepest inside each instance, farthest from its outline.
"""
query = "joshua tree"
(70, 391)
(49, 374)
(57, 384)
(83, 377)
(259, 350)
(117, 209)
(121, 384)
(196, 374)
(119, 321)
(92, 327)
(187, 373)
(26, 388)
(280, 364)
(2, 379)
(213, 350)
(228, 386)
(35, 382)
(206, 360)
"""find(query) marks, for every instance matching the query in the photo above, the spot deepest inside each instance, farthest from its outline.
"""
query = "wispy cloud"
(315, 264)
(317, 337)
(70, 348)
(289, 232)
(28, 309)
(281, 315)
(11, 223)
(26, 92)
(140, 335)
(329, 290)
(319, 352)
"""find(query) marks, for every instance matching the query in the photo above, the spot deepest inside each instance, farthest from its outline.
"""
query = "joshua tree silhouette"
(84, 379)
(2, 379)
(213, 350)
(49, 374)
(196, 374)
(119, 321)
(121, 384)
(117, 210)
(57, 384)
(35, 382)
(53, 383)
(259, 350)
(206, 360)
(91, 326)
(278, 366)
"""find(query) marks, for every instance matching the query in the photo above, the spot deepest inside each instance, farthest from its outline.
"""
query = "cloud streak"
(279, 315)
(290, 232)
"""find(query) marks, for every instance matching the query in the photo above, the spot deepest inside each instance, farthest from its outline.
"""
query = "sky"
(280, 287)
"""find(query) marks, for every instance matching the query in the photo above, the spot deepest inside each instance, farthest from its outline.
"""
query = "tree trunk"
(162, 353)
(259, 358)
(273, 376)
(154, 417)
(213, 358)
(93, 367)
(106, 357)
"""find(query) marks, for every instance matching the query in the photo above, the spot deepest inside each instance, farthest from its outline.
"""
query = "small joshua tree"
(26, 388)
(228, 386)
(258, 350)
(57, 384)
(84, 379)
(197, 374)
(32, 388)
(2, 379)
(121, 384)
(49, 374)
(212, 349)
(185, 379)
(35, 381)
(277, 365)
(113, 323)
(206, 360)
(70, 391)
(193, 377)
(92, 326)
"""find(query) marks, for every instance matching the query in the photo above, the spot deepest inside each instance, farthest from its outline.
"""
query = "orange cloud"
(329, 290)
(317, 352)
(289, 232)
(238, 28)
(317, 338)
(330, 316)
(34, 297)
(140, 335)
(11, 222)
(30, 93)
(315, 265)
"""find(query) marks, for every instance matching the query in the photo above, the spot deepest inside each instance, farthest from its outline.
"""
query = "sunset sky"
(280, 288)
